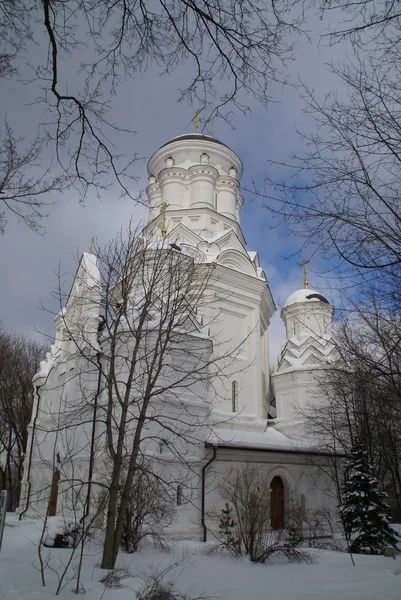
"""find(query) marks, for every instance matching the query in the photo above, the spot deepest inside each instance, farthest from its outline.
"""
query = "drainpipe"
(203, 492)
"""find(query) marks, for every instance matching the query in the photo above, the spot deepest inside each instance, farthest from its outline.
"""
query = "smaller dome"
(304, 295)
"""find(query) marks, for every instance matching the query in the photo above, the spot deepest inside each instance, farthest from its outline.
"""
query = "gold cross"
(196, 119)
(303, 264)
(163, 210)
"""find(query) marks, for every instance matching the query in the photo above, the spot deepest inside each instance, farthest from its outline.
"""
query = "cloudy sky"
(148, 105)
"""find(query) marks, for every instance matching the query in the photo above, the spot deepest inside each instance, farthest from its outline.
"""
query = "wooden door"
(277, 503)
(54, 494)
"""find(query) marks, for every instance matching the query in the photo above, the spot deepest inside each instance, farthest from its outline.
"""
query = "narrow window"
(234, 396)
(180, 500)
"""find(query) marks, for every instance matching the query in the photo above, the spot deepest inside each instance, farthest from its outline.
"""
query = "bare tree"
(24, 187)
(365, 22)
(362, 396)
(158, 367)
(247, 492)
(344, 200)
(27, 189)
(19, 360)
(134, 373)
(235, 50)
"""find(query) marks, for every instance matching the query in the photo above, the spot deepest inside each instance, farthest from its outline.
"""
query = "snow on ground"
(331, 577)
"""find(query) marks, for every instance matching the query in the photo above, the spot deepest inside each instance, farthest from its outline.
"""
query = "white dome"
(304, 295)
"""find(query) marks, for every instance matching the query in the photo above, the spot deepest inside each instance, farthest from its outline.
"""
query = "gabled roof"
(224, 248)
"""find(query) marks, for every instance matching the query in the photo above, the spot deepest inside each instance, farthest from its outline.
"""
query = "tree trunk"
(108, 557)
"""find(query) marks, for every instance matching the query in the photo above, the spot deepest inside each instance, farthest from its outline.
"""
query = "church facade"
(242, 415)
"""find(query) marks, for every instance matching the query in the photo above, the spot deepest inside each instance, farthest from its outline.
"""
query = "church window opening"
(180, 498)
(162, 446)
(277, 503)
(234, 396)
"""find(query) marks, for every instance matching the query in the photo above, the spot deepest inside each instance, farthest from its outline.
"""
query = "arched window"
(277, 516)
(234, 396)
(180, 499)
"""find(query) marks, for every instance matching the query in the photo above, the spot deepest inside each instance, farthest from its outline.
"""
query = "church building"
(243, 415)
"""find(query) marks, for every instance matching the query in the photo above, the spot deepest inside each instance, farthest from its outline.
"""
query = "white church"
(245, 416)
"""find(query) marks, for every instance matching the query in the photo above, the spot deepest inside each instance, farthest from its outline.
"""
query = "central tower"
(195, 202)
(197, 177)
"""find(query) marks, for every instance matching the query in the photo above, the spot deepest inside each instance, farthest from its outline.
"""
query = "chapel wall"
(304, 482)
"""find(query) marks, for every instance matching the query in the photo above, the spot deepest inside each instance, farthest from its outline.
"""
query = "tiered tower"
(195, 201)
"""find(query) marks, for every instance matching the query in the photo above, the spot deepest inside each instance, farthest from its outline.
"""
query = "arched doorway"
(277, 503)
(54, 494)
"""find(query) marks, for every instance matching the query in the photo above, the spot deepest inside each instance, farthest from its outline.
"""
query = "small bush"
(159, 591)
(245, 521)
(312, 527)
(148, 512)
(160, 585)
(61, 534)
(163, 591)
(112, 580)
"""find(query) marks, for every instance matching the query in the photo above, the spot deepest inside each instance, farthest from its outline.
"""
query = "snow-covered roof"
(304, 295)
(271, 439)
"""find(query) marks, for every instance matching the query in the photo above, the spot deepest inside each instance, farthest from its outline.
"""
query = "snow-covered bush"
(61, 533)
